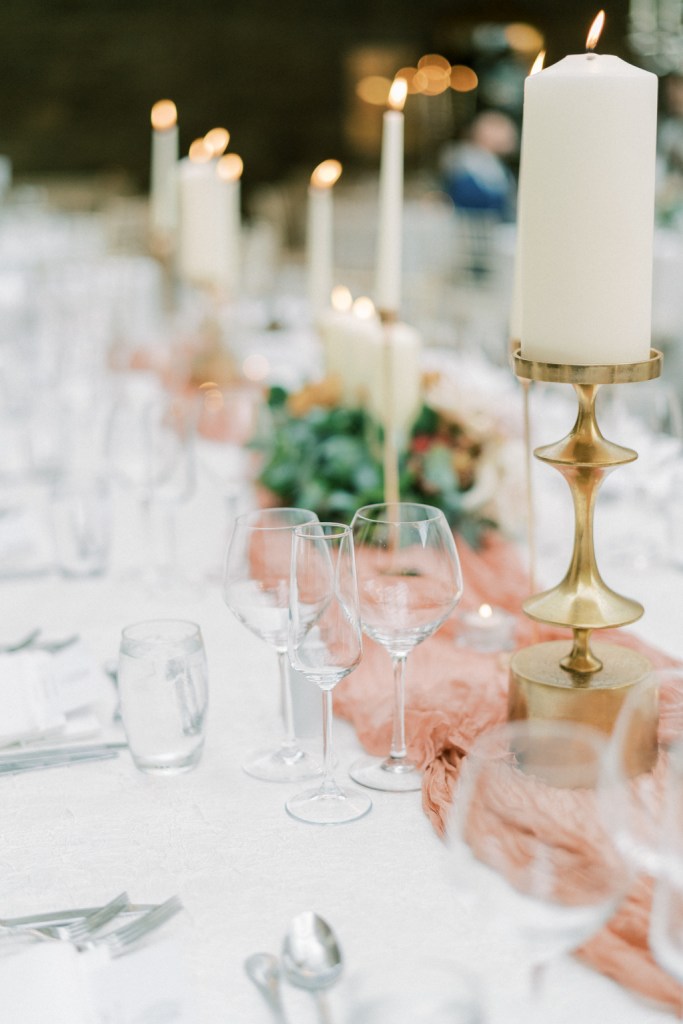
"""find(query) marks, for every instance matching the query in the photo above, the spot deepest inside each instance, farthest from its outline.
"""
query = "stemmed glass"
(666, 922)
(531, 836)
(409, 581)
(256, 590)
(325, 644)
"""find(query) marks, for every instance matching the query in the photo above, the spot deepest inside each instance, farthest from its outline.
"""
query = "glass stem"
(327, 738)
(398, 738)
(289, 742)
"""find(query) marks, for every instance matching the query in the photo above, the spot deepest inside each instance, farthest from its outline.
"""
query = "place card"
(29, 705)
(44, 982)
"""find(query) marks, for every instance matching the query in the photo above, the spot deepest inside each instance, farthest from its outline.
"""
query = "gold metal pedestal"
(584, 683)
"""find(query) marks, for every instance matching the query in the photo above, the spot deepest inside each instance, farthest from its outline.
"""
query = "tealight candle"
(587, 178)
(487, 629)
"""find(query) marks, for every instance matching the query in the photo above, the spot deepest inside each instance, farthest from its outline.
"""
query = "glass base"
(328, 807)
(168, 765)
(281, 765)
(392, 774)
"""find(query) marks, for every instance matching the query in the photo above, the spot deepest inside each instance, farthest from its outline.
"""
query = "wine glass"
(666, 921)
(658, 698)
(325, 644)
(409, 581)
(256, 590)
(531, 837)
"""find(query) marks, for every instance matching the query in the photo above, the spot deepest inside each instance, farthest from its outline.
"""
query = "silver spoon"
(312, 957)
(264, 971)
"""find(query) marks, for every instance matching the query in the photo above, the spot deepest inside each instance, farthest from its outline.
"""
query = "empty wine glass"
(657, 699)
(666, 921)
(256, 590)
(325, 644)
(531, 836)
(409, 581)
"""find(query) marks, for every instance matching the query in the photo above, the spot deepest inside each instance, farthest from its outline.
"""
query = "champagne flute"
(256, 590)
(531, 837)
(325, 644)
(409, 581)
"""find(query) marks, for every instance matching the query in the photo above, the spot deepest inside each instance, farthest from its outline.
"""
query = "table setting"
(296, 723)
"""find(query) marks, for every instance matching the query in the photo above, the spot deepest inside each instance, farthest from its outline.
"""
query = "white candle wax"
(197, 208)
(229, 223)
(346, 339)
(163, 211)
(390, 214)
(319, 235)
(587, 211)
(319, 248)
(391, 376)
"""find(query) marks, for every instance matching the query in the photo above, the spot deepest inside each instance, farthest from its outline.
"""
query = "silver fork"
(119, 941)
(76, 931)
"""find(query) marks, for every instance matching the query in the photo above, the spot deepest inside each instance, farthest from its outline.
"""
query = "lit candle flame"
(485, 611)
(164, 115)
(326, 174)
(595, 30)
(538, 63)
(230, 167)
(364, 308)
(217, 140)
(341, 298)
(199, 152)
(398, 93)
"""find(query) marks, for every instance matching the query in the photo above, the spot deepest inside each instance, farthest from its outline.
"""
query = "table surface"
(224, 842)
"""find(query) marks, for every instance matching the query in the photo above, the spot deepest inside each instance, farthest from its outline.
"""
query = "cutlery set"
(311, 959)
(85, 928)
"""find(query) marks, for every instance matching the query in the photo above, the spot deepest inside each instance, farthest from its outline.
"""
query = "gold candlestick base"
(585, 684)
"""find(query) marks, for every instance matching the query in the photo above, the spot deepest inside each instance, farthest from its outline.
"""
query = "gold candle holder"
(586, 683)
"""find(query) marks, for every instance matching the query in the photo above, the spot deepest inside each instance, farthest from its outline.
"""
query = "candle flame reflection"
(217, 140)
(538, 63)
(398, 93)
(164, 115)
(341, 298)
(364, 308)
(326, 174)
(595, 30)
(230, 167)
(199, 152)
(485, 611)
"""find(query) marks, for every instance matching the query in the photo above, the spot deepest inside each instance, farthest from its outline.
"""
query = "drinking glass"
(163, 688)
(256, 590)
(409, 581)
(666, 921)
(325, 644)
(531, 837)
(639, 829)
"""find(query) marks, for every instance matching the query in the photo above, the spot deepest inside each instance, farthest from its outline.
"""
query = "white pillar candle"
(587, 211)
(347, 330)
(390, 213)
(197, 215)
(163, 212)
(320, 235)
(392, 378)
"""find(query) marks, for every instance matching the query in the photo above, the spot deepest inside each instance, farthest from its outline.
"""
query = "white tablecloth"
(224, 842)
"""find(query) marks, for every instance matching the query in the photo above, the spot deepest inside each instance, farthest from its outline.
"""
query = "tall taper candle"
(587, 208)
(319, 236)
(163, 213)
(390, 214)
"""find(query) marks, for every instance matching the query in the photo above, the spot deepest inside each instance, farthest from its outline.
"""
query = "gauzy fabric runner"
(452, 695)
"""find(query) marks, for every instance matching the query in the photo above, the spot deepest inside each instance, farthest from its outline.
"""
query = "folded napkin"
(452, 695)
(49, 695)
(51, 981)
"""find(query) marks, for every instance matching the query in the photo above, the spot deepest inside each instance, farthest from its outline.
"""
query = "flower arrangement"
(323, 455)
